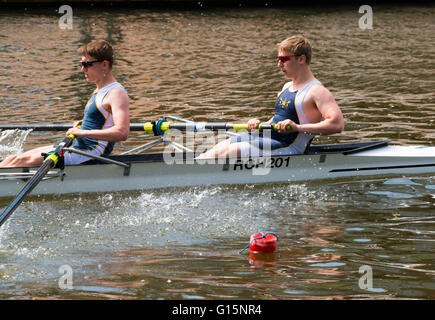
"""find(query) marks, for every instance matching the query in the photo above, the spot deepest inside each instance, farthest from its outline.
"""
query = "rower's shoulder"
(117, 98)
(118, 91)
(318, 90)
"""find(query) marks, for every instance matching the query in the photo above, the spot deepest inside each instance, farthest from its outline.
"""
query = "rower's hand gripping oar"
(49, 162)
(159, 127)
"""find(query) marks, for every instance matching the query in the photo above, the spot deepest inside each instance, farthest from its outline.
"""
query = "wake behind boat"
(180, 169)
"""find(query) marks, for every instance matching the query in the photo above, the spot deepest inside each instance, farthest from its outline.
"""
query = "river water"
(219, 64)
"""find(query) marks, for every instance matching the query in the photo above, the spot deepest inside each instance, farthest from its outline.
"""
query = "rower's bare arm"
(119, 104)
(332, 118)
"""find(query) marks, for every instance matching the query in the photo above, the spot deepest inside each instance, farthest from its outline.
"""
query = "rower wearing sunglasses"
(304, 108)
(106, 117)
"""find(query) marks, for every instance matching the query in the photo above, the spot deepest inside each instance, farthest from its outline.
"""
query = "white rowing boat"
(160, 170)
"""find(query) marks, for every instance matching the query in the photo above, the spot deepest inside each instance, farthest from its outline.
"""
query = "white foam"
(11, 142)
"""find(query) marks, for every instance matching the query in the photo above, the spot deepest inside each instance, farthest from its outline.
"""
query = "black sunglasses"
(87, 64)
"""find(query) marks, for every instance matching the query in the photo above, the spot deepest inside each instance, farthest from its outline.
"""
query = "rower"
(106, 117)
(304, 108)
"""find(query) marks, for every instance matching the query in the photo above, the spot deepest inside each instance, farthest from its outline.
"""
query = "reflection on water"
(210, 64)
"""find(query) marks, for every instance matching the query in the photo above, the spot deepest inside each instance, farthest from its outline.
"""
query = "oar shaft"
(226, 126)
(55, 127)
(199, 126)
(37, 127)
(147, 126)
(31, 184)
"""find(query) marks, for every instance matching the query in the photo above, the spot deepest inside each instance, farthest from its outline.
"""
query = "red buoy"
(263, 243)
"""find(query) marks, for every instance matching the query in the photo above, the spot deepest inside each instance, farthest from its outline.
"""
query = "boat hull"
(160, 171)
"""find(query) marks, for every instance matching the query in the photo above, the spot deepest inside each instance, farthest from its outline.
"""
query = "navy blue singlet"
(93, 119)
(273, 140)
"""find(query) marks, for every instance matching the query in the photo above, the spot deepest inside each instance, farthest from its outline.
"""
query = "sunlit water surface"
(219, 64)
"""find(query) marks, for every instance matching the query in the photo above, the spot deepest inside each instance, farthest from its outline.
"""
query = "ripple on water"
(139, 237)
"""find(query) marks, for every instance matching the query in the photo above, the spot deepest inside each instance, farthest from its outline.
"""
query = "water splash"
(11, 141)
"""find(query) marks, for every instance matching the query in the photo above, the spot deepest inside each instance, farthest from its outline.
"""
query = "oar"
(55, 127)
(159, 127)
(48, 163)
(37, 127)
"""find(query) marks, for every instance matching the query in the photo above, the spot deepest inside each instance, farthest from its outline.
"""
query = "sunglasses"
(284, 59)
(87, 64)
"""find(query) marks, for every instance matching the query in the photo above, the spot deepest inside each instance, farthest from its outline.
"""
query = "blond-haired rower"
(304, 108)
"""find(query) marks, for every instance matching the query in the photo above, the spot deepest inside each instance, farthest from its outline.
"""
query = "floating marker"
(263, 243)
